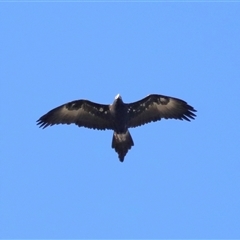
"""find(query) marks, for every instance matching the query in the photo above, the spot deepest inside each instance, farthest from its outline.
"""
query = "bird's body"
(118, 112)
(118, 116)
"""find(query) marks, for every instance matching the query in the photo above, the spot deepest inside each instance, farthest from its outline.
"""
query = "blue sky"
(180, 180)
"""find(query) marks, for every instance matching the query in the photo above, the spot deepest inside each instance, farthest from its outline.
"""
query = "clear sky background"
(180, 180)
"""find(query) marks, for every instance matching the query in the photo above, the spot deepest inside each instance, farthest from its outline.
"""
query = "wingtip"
(41, 124)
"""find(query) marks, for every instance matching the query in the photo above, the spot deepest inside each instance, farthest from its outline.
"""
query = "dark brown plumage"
(118, 116)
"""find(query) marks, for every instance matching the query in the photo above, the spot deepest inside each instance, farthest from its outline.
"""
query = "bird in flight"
(118, 116)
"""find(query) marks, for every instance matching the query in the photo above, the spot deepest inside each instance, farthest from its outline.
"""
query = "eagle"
(118, 116)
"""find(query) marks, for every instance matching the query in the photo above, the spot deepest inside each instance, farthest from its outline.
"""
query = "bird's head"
(118, 97)
(118, 100)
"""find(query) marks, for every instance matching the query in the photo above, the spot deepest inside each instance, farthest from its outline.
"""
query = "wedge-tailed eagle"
(118, 116)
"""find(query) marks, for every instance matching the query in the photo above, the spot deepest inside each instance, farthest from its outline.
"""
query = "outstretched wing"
(154, 107)
(81, 112)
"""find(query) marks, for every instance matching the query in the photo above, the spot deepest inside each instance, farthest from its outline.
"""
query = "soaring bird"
(118, 116)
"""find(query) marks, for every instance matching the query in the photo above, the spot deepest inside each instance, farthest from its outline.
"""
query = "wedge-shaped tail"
(122, 142)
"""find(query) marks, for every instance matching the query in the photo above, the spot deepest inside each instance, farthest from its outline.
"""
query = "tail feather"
(122, 142)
